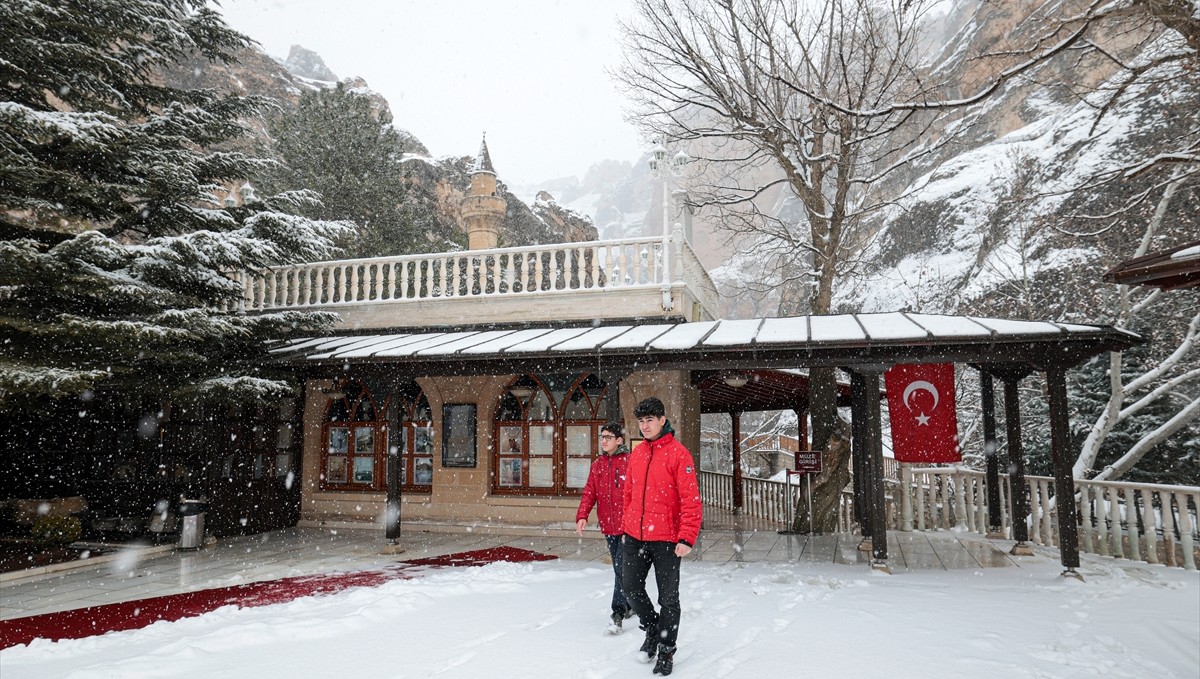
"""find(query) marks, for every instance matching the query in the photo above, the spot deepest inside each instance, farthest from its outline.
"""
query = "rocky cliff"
(436, 185)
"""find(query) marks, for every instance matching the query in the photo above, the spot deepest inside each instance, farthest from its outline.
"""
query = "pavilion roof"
(1175, 269)
(759, 343)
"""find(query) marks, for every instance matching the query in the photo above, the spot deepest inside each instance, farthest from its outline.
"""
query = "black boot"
(666, 660)
(650, 645)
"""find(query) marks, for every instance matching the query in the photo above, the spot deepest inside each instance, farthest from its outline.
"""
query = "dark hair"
(615, 429)
(650, 407)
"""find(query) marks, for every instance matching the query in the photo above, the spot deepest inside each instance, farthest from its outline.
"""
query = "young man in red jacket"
(662, 522)
(605, 489)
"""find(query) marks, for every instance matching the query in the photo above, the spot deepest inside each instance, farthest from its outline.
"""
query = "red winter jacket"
(604, 488)
(662, 497)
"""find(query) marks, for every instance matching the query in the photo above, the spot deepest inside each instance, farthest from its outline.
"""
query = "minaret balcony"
(615, 279)
(487, 206)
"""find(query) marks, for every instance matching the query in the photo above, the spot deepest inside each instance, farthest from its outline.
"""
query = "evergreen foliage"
(1173, 461)
(114, 244)
(335, 144)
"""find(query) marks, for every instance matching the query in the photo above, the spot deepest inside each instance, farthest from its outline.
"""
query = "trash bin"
(191, 523)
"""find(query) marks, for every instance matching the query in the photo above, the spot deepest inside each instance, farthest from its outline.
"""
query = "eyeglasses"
(607, 437)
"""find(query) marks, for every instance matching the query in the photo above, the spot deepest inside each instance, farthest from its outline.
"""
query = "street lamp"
(665, 171)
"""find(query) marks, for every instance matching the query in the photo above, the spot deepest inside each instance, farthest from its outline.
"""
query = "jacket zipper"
(645, 485)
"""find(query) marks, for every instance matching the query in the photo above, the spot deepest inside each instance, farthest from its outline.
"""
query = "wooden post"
(612, 395)
(989, 451)
(802, 426)
(858, 449)
(736, 418)
(392, 518)
(878, 509)
(1064, 481)
(1016, 466)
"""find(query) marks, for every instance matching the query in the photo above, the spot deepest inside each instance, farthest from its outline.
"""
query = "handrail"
(629, 263)
(1115, 518)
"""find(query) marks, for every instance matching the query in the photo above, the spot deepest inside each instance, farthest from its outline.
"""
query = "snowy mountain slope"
(1012, 210)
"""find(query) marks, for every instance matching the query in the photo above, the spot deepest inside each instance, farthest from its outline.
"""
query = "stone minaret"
(482, 209)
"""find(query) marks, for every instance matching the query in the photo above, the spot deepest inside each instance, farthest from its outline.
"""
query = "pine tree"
(334, 143)
(114, 242)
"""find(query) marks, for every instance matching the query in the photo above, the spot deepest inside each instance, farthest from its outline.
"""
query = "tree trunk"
(828, 485)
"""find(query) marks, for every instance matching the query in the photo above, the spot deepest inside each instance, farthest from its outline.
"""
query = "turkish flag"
(924, 419)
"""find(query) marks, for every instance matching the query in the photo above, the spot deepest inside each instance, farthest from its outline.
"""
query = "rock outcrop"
(308, 64)
(436, 185)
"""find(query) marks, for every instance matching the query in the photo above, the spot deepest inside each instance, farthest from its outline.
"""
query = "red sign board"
(808, 461)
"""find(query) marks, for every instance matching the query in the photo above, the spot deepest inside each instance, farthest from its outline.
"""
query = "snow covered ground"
(739, 620)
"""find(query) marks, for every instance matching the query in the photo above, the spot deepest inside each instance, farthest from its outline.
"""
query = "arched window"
(581, 424)
(546, 434)
(411, 434)
(353, 457)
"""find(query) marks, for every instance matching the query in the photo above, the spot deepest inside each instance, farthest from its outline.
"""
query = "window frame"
(405, 426)
(503, 459)
(355, 397)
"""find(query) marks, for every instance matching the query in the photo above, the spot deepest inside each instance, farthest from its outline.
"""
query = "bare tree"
(784, 94)
(1141, 44)
(803, 113)
(1161, 382)
(793, 103)
(776, 97)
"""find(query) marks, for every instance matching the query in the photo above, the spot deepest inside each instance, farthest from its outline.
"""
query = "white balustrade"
(544, 269)
(1139, 521)
(1143, 522)
(761, 498)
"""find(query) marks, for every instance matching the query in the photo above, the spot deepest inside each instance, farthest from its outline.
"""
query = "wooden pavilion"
(863, 345)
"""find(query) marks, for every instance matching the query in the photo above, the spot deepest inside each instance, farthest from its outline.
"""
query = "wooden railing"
(535, 270)
(768, 499)
(760, 497)
(1139, 521)
(1143, 522)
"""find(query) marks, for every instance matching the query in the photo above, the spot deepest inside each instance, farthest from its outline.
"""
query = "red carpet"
(94, 620)
(480, 557)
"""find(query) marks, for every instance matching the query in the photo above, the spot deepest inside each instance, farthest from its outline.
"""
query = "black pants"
(639, 557)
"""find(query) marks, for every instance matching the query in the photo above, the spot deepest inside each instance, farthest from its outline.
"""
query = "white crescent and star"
(921, 385)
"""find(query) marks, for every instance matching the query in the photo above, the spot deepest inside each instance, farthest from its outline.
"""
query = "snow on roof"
(1186, 253)
(483, 161)
(813, 332)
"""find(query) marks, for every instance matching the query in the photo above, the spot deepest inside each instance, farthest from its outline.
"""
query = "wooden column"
(1064, 481)
(877, 516)
(1019, 507)
(858, 449)
(736, 419)
(802, 426)
(392, 518)
(989, 451)
(612, 395)
(868, 452)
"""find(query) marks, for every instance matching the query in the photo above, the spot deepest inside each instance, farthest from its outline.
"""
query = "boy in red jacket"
(662, 522)
(604, 489)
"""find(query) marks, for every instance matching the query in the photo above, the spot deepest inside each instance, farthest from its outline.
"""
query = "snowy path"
(739, 620)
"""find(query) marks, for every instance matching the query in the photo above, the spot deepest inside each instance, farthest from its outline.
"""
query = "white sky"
(1125, 621)
(531, 74)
